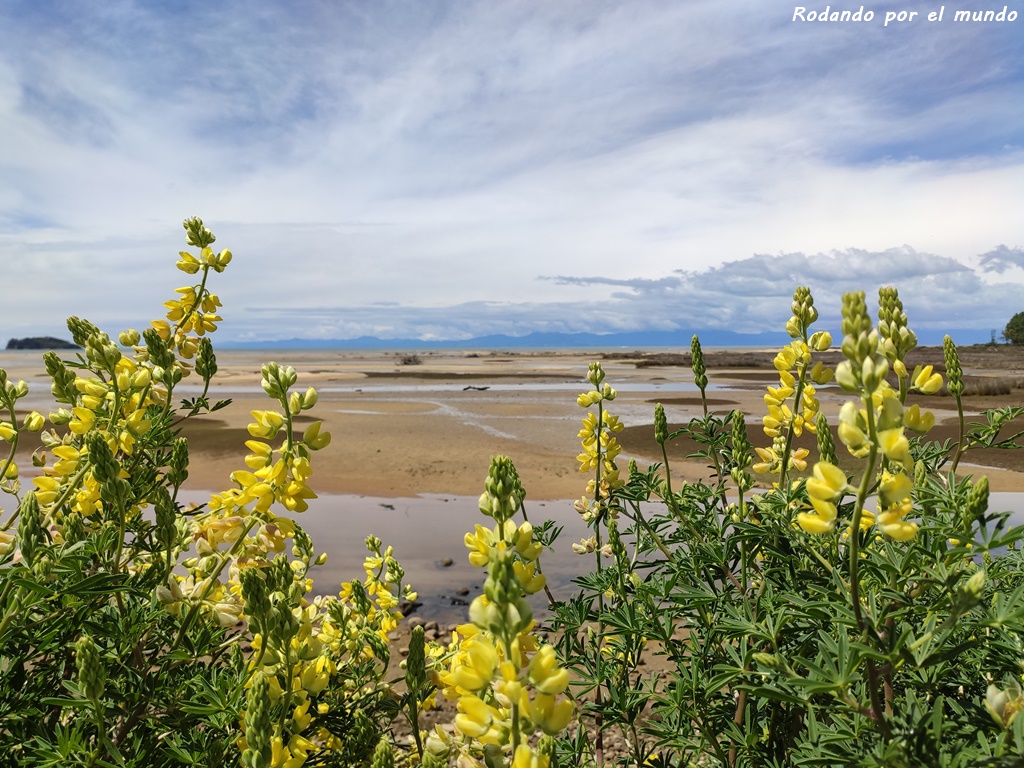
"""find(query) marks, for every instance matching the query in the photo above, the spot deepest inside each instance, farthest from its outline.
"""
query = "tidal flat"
(413, 432)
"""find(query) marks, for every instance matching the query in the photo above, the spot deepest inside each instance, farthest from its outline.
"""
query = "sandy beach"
(413, 433)
(406, 430)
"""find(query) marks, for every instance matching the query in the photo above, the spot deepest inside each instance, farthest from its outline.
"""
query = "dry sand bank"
(402, 430)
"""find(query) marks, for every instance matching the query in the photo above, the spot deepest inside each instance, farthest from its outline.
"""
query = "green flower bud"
(415, 668)
(258, 728)
(104, 465)
(975, 585)
(31, 534)
(547, 747)
(172, 374)
(92, 677)
(129, 338)
(364, 730)
(741, 448)
(697, 364)
(660, 424)
(826, 445)
(954, 373)
(856, 321)
(504, 493)
(206, 361)
(892, 325)
(769, 660)
(157, 350)
(977, 503)
(178, 465)
(63, 386)
(804, 313)
(378, 645)
(615, 540)
(81, 330)
(166, 531)
(34, 421)
(74, 528)
(383, 756)
(309, 399)
(196, 234)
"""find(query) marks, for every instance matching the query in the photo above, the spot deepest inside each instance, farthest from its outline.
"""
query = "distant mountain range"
(630, 339)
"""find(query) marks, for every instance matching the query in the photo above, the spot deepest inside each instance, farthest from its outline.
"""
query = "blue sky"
(452, 169)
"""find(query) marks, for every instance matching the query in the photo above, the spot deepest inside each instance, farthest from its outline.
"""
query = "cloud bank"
(424, 169)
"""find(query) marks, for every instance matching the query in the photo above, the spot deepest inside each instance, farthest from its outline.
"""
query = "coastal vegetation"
(1014, 331)
(838, 592)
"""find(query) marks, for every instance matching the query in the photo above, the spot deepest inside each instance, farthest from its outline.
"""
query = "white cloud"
(442, 156)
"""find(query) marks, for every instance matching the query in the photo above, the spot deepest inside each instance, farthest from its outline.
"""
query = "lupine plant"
(137, 630)
(506, 682)
(858, 610)
(865, 608)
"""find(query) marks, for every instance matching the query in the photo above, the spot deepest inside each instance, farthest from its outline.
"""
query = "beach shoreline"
(415, 432)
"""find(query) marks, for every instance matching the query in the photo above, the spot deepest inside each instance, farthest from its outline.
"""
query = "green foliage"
(791, 640)
(136, 631)
(799, 625)
(1014, 331)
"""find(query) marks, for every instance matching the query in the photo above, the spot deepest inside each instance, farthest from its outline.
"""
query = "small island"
(40, 342)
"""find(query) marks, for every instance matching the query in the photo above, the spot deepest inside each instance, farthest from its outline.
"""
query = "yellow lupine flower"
(550, 717)
(917, 420)
(895, 446)
(479, 546)
(475, 717)
(138, 424)
(828, 482)
(187, 263)
(479, 661)
(34, 421)
(68, 459)
(88, 501)
(301, 469)
(266, 424)
(894, 526)
(207, 323)
(46, 489)
(526, 757)
(821, 375)
(822, 522)
(301, 717)
(544, 672)
(785, 359)
(925, 381)
(777, 395)
(83, 420)
(210, 302)
(300, 746)
(530, 581)
(527, 548)
(895, 488)
(798, 459)
(163, 328)
(314, 439)
(273, 473)
(294, 496)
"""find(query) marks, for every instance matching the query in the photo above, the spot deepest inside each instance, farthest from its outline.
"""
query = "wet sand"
(416, 431)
